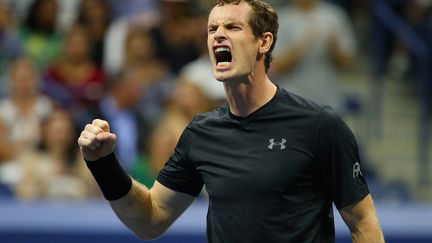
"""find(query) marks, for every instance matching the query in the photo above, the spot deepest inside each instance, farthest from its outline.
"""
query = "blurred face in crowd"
(129, 88)
(189, 99)
(96, 15)
(77, 46)
(5, 16)
(23, 78)
(95, 10)
(162, 144)
(164, 139)
(232, 46)
(173, 10)
(47, 12)
(58, 130)
(139, 46)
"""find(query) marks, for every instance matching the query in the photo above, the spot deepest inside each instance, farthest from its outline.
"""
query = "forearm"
(131, 201)
(368, 232)
(137, 211)
(363, 222)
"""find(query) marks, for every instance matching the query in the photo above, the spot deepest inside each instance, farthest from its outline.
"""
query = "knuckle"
(82, 142)
(103, 123)
(99, 123)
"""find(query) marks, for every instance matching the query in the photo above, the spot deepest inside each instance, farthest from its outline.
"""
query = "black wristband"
(110, 176)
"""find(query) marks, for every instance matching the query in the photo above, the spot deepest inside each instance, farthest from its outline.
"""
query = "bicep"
(169, 204)
(149, 213)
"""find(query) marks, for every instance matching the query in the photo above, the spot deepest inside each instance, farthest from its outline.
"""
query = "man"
(315, 44)
(272, 162)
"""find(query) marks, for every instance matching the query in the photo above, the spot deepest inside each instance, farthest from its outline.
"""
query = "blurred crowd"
(143, 66)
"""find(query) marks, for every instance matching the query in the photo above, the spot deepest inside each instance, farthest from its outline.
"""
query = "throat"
(244, 98)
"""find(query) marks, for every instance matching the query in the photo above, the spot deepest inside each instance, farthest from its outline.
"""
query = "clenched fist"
(96, 141)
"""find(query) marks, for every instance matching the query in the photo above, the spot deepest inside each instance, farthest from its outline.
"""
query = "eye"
(233, 27)
(211, 30)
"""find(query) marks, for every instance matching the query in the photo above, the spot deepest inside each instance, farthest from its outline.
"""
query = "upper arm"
(149, 213)
(340, 160)
(169, 204)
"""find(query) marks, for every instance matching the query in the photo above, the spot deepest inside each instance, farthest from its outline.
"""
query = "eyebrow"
(229, 22)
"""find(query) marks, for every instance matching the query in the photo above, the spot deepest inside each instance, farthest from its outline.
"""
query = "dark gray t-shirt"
(271, 176)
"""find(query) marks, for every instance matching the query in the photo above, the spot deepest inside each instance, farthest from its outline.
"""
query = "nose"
(220, 34)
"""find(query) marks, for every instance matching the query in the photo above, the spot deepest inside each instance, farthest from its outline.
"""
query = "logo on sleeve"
(274, 143)
(356, 170)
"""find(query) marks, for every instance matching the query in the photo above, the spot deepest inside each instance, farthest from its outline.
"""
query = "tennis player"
(272, 162)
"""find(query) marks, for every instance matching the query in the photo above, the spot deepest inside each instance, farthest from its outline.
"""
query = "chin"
(221, 76)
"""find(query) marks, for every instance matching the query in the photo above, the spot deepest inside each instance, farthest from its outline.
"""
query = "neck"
(245, 97)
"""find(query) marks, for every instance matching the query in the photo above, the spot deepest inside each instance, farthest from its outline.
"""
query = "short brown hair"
(262, 19)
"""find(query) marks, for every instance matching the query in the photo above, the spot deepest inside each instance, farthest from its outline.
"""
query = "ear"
(265, 43)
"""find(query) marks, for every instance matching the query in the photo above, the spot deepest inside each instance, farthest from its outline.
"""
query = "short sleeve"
(341, 166)
(179, 172)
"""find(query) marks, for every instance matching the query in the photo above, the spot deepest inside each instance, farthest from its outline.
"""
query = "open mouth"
(223, 56)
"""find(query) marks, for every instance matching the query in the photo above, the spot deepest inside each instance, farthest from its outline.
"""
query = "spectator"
(200, 71)
(189, 100)
(175, 45)
(74, 80)
(55, 169)
(66, 15)
(39, 35)
(161, 144)
(140, 52)
(315, 43)
(21, 112)
(96, 16)
(120, 107)
(115, 39)
(139, 49)
(10, 46)
(404, 60)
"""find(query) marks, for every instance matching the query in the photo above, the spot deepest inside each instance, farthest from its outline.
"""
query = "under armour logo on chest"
(280, 144)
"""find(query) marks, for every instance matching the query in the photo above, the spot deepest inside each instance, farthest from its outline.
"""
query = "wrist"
(110, 177)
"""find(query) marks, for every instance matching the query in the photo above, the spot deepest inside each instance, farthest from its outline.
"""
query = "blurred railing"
(385, 19)
(94, 221)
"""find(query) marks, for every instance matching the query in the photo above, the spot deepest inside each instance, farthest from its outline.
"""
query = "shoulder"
(201, 122)
(318, 117)
(329, 117)
(331, 125)
(298, 104)
(215, 115)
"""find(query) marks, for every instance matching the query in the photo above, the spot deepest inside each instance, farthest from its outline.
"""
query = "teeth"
(219, 49)
(223, 63)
